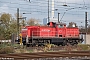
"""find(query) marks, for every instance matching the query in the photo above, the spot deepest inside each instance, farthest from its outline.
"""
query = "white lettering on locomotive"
(46, 30)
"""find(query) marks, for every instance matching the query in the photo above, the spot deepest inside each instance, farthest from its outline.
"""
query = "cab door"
(60, 31)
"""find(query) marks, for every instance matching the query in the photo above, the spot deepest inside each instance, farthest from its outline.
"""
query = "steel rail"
(46, 55)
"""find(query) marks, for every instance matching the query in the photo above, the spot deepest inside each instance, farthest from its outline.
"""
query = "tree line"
(8, 25)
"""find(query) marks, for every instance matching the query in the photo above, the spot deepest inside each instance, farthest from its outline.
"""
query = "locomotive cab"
(51, 24)
(59, 25)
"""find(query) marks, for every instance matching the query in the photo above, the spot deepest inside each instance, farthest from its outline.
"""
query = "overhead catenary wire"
(25, 8)
(26, 4)
(42, 5)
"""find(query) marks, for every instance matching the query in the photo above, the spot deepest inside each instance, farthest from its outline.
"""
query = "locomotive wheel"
(27, 45)
(46, 41)
(68, 44)
(64, 43)
(72, 43)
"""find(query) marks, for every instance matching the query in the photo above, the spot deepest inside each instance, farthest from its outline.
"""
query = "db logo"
(60, 30)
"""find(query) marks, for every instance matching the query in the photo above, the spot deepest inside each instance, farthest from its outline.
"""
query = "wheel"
(27, 45)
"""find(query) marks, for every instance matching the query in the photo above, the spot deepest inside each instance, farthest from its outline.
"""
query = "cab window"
(60, 26)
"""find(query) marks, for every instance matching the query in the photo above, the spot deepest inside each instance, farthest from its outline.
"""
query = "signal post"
(20, 39)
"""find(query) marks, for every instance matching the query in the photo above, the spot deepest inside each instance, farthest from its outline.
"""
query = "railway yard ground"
(48, 52)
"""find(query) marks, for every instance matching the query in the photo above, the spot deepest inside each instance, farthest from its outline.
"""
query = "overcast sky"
(74, 12)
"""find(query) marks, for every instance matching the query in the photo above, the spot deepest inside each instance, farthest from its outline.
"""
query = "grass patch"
(6, 48)
(84, 47)
(30, 51)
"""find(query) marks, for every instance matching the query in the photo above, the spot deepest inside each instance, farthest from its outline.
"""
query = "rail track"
(42, 55)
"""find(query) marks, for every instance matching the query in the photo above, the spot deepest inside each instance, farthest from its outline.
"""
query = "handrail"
(45, 34)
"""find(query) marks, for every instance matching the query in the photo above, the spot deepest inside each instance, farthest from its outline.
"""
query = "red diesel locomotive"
(53, 33)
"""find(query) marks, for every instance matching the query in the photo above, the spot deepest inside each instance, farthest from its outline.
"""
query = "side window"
(60, 26)
(54, 25)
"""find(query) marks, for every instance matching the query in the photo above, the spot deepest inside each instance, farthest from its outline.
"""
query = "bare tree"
(33, 22)
(72, 24)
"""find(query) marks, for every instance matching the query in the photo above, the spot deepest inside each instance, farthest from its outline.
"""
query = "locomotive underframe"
(56, 40)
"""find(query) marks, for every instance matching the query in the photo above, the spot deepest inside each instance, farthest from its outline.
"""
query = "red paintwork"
(24, 32)
(49, 31)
